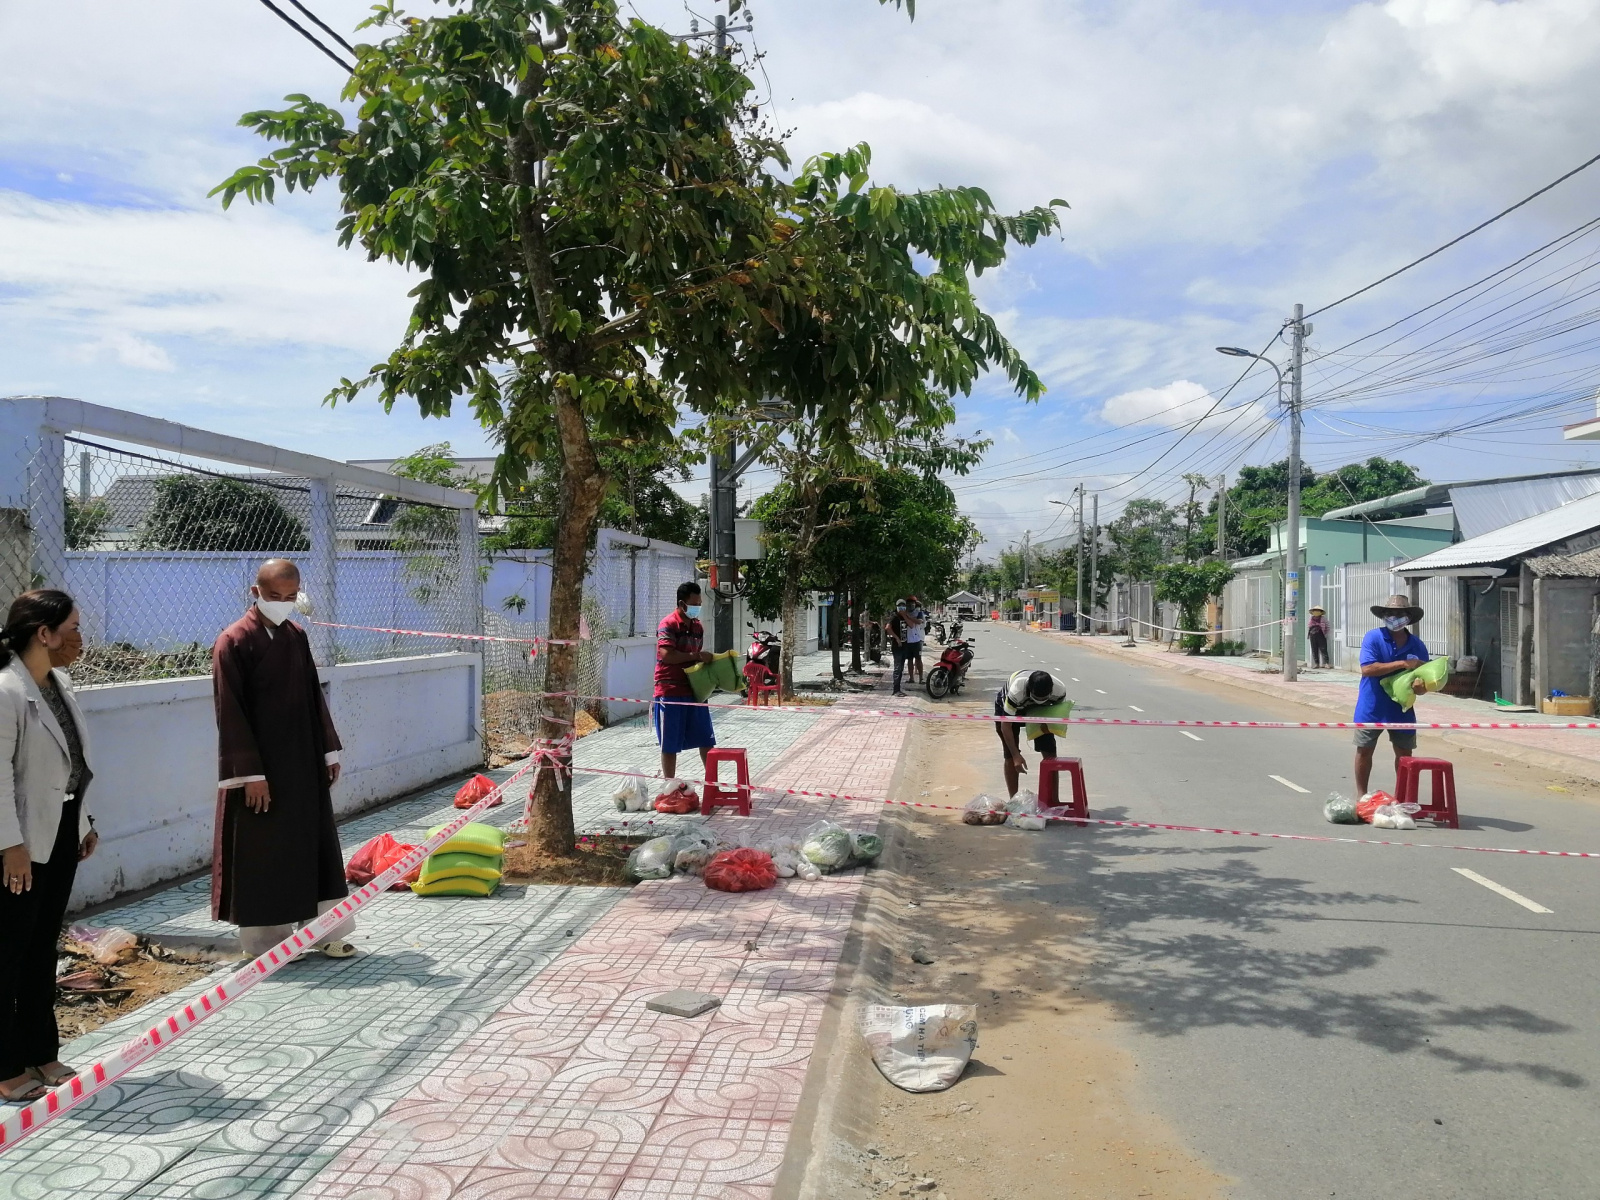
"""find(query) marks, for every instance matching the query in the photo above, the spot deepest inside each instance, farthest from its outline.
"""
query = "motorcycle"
(938, 631)
(955, 632)
(766, 650)
(950, 672)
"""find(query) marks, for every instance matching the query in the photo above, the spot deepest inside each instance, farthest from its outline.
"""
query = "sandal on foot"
(53, 1079)
(26, 1094)
(338, 949)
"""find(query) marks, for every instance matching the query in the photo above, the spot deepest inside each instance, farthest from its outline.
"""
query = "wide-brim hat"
(1398, 604)
(1318, 608)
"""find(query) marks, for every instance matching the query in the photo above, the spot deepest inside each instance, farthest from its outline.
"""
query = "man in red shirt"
(680, 723)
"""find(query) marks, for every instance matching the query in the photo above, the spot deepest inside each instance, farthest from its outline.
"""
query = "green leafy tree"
(1259, 498)
(1144, 536)
(606, 238)
(86, 521)
(427, 535)
(1189, 586)
(197, 512)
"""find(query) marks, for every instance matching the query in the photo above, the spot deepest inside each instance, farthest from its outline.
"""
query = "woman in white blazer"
(45, 830)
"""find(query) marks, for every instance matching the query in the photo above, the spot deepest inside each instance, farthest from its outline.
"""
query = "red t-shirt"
(676, 632)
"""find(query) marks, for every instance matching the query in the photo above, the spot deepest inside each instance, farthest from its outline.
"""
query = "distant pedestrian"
(1384, 651)
(916, 631)
(681, 723)
(1026, 692)
(899, 627)
(1317, 633)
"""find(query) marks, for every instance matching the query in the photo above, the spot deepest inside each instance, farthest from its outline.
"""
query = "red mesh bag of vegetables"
(741, 870)
(1371, 803)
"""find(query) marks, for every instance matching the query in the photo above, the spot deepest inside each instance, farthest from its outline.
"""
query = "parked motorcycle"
(955, 632)
(947, 675)
(938, 631)
(766, 650)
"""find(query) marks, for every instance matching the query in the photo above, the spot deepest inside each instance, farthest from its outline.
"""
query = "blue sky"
(1223, 161)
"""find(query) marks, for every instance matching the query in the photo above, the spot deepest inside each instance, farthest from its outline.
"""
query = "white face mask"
(1397, 623)
(275, 611)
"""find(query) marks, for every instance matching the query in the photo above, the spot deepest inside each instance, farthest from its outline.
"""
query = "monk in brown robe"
(276, 859)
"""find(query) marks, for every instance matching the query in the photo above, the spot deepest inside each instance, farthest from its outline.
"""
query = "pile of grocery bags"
(469, 864)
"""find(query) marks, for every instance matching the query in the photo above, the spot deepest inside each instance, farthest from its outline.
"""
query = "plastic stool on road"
(1050, 770)
(717, 796)
(1408, 783)
(757, 689)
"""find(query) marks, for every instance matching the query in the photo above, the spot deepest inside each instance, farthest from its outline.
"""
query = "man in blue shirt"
(1385, 650)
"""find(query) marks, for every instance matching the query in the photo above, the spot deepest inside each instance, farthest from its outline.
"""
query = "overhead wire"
(308, 35)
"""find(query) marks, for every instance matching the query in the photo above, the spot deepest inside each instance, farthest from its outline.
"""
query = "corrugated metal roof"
(1434, 494)
(1486, 506)
(1514, 540)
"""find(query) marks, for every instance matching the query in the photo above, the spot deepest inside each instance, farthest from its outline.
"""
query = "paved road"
(1321, 1019)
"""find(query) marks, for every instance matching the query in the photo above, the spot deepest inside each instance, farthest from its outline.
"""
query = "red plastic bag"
(1371, 802)
(476, 789)
(742, 870)
(377, 856)
(678, 799)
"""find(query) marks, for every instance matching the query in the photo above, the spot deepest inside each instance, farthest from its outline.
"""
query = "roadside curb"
(1569, 764)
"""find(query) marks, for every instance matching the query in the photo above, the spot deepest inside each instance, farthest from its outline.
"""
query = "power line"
(308, 35)
(1584, 166)
(324, 26)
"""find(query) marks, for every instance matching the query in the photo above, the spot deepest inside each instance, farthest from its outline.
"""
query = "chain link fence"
(159, 547)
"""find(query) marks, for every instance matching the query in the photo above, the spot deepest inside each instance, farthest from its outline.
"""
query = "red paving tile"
(575, 1091)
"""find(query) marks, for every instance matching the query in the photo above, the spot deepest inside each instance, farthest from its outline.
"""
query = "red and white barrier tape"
(915, 715)
(1293, 837)
(100, 1075)
(454, 637)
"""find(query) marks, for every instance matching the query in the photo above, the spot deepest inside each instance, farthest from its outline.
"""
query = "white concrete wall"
(405, 722)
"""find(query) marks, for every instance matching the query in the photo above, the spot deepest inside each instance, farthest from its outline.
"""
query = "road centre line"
(1288, 784)
(1135, 708)
(1187, 734)
(1504, 891)
(1102, 691)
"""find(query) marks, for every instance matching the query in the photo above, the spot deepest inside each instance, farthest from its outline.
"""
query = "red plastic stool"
(1442, 809)
(1050, 771)
(717, 796)
(756, 686)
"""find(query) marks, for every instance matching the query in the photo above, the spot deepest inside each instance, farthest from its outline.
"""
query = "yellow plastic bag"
(1035, 729)
(721, 674)
(456, 885)
(1402, 684)
(473, 838)
(458, 864)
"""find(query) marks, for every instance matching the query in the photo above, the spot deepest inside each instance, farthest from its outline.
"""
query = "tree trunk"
(792, 570)
(858, 635)
(583, 485)
(835, 620)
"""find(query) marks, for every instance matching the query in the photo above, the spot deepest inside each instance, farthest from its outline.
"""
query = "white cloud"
(1176, 403)
(129, 351)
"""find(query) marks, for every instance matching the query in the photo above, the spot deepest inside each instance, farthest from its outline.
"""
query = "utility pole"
(1025, 560)
(722, 33)
(1077, 612)
(723, 500)
(1291, 584)
(1222, 540)
(1094, 561)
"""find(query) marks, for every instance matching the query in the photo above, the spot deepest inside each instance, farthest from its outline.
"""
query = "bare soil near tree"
(1052, 1104)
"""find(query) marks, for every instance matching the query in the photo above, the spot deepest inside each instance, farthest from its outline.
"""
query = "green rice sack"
(1401, 685)
(1040, 728)
(473, 838)
(456, 885)
(458, 864)
(701, 681)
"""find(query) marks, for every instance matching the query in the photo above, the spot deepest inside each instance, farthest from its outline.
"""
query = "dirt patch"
(1051, 1105)
(150, 972)
(511, 722)
(597, 862)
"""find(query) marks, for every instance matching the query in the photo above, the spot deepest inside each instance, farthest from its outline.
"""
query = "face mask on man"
(1396, 624)
(276, 611)
(693, 610)
(70, 650)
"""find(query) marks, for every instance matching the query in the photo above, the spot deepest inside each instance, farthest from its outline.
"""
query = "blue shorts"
(681, 724)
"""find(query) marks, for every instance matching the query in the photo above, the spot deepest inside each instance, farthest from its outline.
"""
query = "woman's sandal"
(53, 1079)
(338, 949)
(26, 1094)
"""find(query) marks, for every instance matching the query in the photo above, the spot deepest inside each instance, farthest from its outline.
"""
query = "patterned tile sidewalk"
(262, 1098)
(575, 1090)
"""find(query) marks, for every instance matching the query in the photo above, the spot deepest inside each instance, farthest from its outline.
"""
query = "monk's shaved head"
(277, 570)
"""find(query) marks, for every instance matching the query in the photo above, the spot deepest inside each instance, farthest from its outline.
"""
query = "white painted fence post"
(319, 573)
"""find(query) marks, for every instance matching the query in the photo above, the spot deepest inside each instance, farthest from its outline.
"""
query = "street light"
(1291, 638)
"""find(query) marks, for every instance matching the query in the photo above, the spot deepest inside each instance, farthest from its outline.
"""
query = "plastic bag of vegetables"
(985, 810)
(1340, 810)
(827, 845)
(652, 859)
(865, 847)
